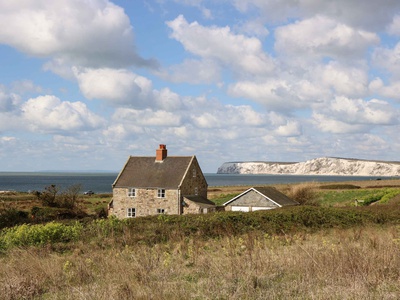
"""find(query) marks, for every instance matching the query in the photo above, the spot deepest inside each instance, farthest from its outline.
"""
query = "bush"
(10, 217)
(31, 235)
(304, 194)
(339, 187)
(52, 197)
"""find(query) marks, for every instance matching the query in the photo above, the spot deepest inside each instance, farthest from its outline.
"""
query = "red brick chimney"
(161, 153)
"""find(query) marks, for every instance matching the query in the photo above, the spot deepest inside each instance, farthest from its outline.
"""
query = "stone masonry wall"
(194, 178)
(146, 202)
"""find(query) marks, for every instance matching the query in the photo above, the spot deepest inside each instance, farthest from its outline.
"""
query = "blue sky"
(85, 84)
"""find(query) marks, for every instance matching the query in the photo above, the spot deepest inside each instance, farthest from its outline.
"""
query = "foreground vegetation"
(296, 253)
(324, 249)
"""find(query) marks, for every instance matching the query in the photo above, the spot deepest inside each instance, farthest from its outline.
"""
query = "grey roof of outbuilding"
(201, 201)
(270, 193)
(146, 172)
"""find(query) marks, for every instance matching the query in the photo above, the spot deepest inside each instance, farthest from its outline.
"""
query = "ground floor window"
(161, 193)
(160, 211)
(131, 212)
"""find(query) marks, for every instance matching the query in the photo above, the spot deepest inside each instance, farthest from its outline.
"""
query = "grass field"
(330, 251)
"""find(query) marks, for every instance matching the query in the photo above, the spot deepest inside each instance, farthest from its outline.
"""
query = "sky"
(84, 84)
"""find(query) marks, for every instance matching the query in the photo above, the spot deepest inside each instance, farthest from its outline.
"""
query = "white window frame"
(161, 193)
(131, 212)
(132, 192)
(160, 211)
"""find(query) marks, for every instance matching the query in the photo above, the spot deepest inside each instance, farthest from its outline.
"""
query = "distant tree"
(69, 196)
(52, 196)
(48, 196)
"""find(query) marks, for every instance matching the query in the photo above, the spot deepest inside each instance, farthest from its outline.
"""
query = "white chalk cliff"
(319, 166)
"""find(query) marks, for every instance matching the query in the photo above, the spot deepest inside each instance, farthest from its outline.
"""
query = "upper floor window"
(131, 212)
(194, 172)
(196, 191)
(161, 193)
(132, 192)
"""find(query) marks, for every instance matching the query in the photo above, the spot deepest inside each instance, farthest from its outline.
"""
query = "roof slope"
(268, 192)
(146, 172)
(201, 201)
(276, 196)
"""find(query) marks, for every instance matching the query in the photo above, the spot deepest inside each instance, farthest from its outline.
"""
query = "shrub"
(31, 235)
(304, 194)
(10, 217)
(339, 187)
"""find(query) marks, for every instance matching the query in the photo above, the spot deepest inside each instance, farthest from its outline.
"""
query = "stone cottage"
(163, 184)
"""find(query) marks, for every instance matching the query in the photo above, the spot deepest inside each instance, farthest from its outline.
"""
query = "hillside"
(318, 166)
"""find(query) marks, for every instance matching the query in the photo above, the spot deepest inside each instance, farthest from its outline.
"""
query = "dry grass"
(358, 263)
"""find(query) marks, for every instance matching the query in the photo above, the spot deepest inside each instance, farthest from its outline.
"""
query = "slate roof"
(145, 172)
(271, 193)
(201, 201)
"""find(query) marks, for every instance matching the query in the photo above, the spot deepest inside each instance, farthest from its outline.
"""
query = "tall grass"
(353, 263)
(295, 253)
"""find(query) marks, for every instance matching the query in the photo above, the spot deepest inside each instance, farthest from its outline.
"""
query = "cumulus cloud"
(321, 37)
(391, 90)
(240, 53)
(344, 115)
(387, 59)
(87, 33)
(374, 16)
(201, 71)
(122, 87)
(8, 101)
(275, 94)
(48, 114)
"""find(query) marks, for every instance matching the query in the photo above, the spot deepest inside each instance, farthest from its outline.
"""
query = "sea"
(102, 182)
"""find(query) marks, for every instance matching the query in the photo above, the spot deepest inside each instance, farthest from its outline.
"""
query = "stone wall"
(145, 202)
(194, 179)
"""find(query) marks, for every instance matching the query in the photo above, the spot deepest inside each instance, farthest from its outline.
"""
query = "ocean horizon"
(101, 182)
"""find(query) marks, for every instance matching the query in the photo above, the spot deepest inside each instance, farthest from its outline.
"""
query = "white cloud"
(394, 27)
(8, 101)
(122, 87)
(388, 59)
(241, 53)
(275, 94)
(321, 37)
(391, 91)
(326, 123)
(147, 117)
(87, 33)
(346, 80)
(48, 114)
(374, 16)
(194, 71)
(344, 115)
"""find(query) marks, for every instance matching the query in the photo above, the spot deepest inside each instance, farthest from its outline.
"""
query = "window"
(132, 192)
(194, 172)
(196, 191)
(161, 193)
(160, 211)
(131, 212)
